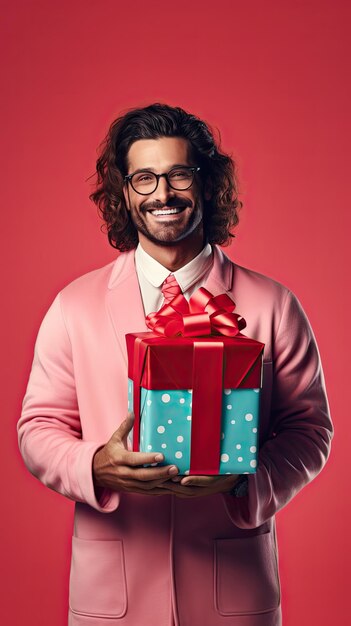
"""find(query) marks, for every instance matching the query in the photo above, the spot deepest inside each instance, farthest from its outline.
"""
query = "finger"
(124, 473)
(136, 459)
(143, 486)
(182, 492)
(200, 481)
(149, 474)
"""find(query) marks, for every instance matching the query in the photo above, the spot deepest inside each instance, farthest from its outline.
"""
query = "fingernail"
(159, 457)
(173, 470)
(187, 482)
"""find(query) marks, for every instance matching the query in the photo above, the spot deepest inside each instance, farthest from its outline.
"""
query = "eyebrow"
(152, 169)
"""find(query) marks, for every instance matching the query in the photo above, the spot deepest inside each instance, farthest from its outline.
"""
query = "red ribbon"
(204, 314)
(206, 408)
(138, 367)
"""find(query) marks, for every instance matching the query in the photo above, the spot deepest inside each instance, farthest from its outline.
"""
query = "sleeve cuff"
(103, 500)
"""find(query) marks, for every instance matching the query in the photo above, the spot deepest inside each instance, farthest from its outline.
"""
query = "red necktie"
(170, 288)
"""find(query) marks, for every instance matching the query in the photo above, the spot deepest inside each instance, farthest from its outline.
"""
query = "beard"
(167, 232)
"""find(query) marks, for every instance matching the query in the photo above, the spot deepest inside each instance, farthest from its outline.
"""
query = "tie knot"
(170, 288)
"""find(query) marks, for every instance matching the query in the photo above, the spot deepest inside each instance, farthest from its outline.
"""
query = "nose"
(163, 191)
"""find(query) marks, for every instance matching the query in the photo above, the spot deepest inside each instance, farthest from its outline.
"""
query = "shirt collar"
(186, 276)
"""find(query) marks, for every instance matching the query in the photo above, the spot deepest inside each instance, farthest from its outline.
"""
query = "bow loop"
(204, 314)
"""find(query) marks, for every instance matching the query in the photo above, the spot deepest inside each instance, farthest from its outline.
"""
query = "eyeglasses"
(178, 178)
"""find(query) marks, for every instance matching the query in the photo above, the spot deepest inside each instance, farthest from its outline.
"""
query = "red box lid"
(167, 363)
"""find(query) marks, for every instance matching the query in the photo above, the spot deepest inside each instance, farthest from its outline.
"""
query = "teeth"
(165, 211)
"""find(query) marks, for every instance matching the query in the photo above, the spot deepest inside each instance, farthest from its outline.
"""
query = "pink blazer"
(145, 561)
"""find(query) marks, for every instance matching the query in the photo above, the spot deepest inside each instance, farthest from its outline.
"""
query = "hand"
(119, 469)
(197, 486)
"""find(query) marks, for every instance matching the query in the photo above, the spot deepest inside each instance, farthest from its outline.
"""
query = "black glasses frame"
(129, 179)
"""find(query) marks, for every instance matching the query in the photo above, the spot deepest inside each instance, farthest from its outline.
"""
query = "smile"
(172, 211)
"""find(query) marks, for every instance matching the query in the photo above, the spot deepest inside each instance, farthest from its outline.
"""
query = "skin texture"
(173, 241)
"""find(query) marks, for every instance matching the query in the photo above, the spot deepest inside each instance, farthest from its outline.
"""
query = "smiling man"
(151, 546)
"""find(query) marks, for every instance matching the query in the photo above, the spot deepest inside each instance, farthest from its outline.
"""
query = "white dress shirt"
(151, 275)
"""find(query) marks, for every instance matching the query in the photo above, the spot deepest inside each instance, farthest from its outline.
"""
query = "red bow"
(204, 314)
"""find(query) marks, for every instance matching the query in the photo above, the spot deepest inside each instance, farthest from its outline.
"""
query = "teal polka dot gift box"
(196, 396)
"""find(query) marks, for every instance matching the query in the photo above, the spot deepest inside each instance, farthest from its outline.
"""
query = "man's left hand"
(197, 486)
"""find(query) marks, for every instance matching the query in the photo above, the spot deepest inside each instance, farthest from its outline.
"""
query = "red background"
(273, 76)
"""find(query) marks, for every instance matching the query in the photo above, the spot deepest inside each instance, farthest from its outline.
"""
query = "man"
(150, 546)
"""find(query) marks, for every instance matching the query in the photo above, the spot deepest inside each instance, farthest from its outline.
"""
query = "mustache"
(181, 203)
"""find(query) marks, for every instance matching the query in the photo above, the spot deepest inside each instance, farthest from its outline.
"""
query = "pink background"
(273, 76)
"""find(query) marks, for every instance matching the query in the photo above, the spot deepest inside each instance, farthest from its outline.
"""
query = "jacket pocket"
(97, 579)
(246, 575)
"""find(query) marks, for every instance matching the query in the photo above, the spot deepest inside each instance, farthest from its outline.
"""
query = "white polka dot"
(224, 458)
(188, 417)
(228, 472)
(149, 402)
(253, 463)
(163, 445)
(190, 391)
(227, 392)
(169, 421)
(229, 406)
(180, 438)
(182, 400)
(165, 397)
(249, 417)
(238, 446)
(149, 447)
(246, 472)
(187, 472)
(232, 421)
(190, 404)
(256, 390)
(128, 404)
(161, 429)
(222, 436)
(178, 454)
(253, 449)
(240, 458)
(254, 430)
(153, 464)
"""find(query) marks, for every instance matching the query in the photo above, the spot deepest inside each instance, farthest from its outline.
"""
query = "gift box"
(196, 396)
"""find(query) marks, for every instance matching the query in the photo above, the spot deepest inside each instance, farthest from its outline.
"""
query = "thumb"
(124, 428)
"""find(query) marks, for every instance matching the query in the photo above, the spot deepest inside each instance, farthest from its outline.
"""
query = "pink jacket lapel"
(220, 278)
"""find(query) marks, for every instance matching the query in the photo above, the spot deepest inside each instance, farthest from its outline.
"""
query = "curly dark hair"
(151, 122)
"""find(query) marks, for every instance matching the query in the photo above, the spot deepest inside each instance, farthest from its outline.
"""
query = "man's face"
(160, 156)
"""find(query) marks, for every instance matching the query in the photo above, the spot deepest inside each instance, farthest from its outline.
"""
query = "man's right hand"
(119, 469)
